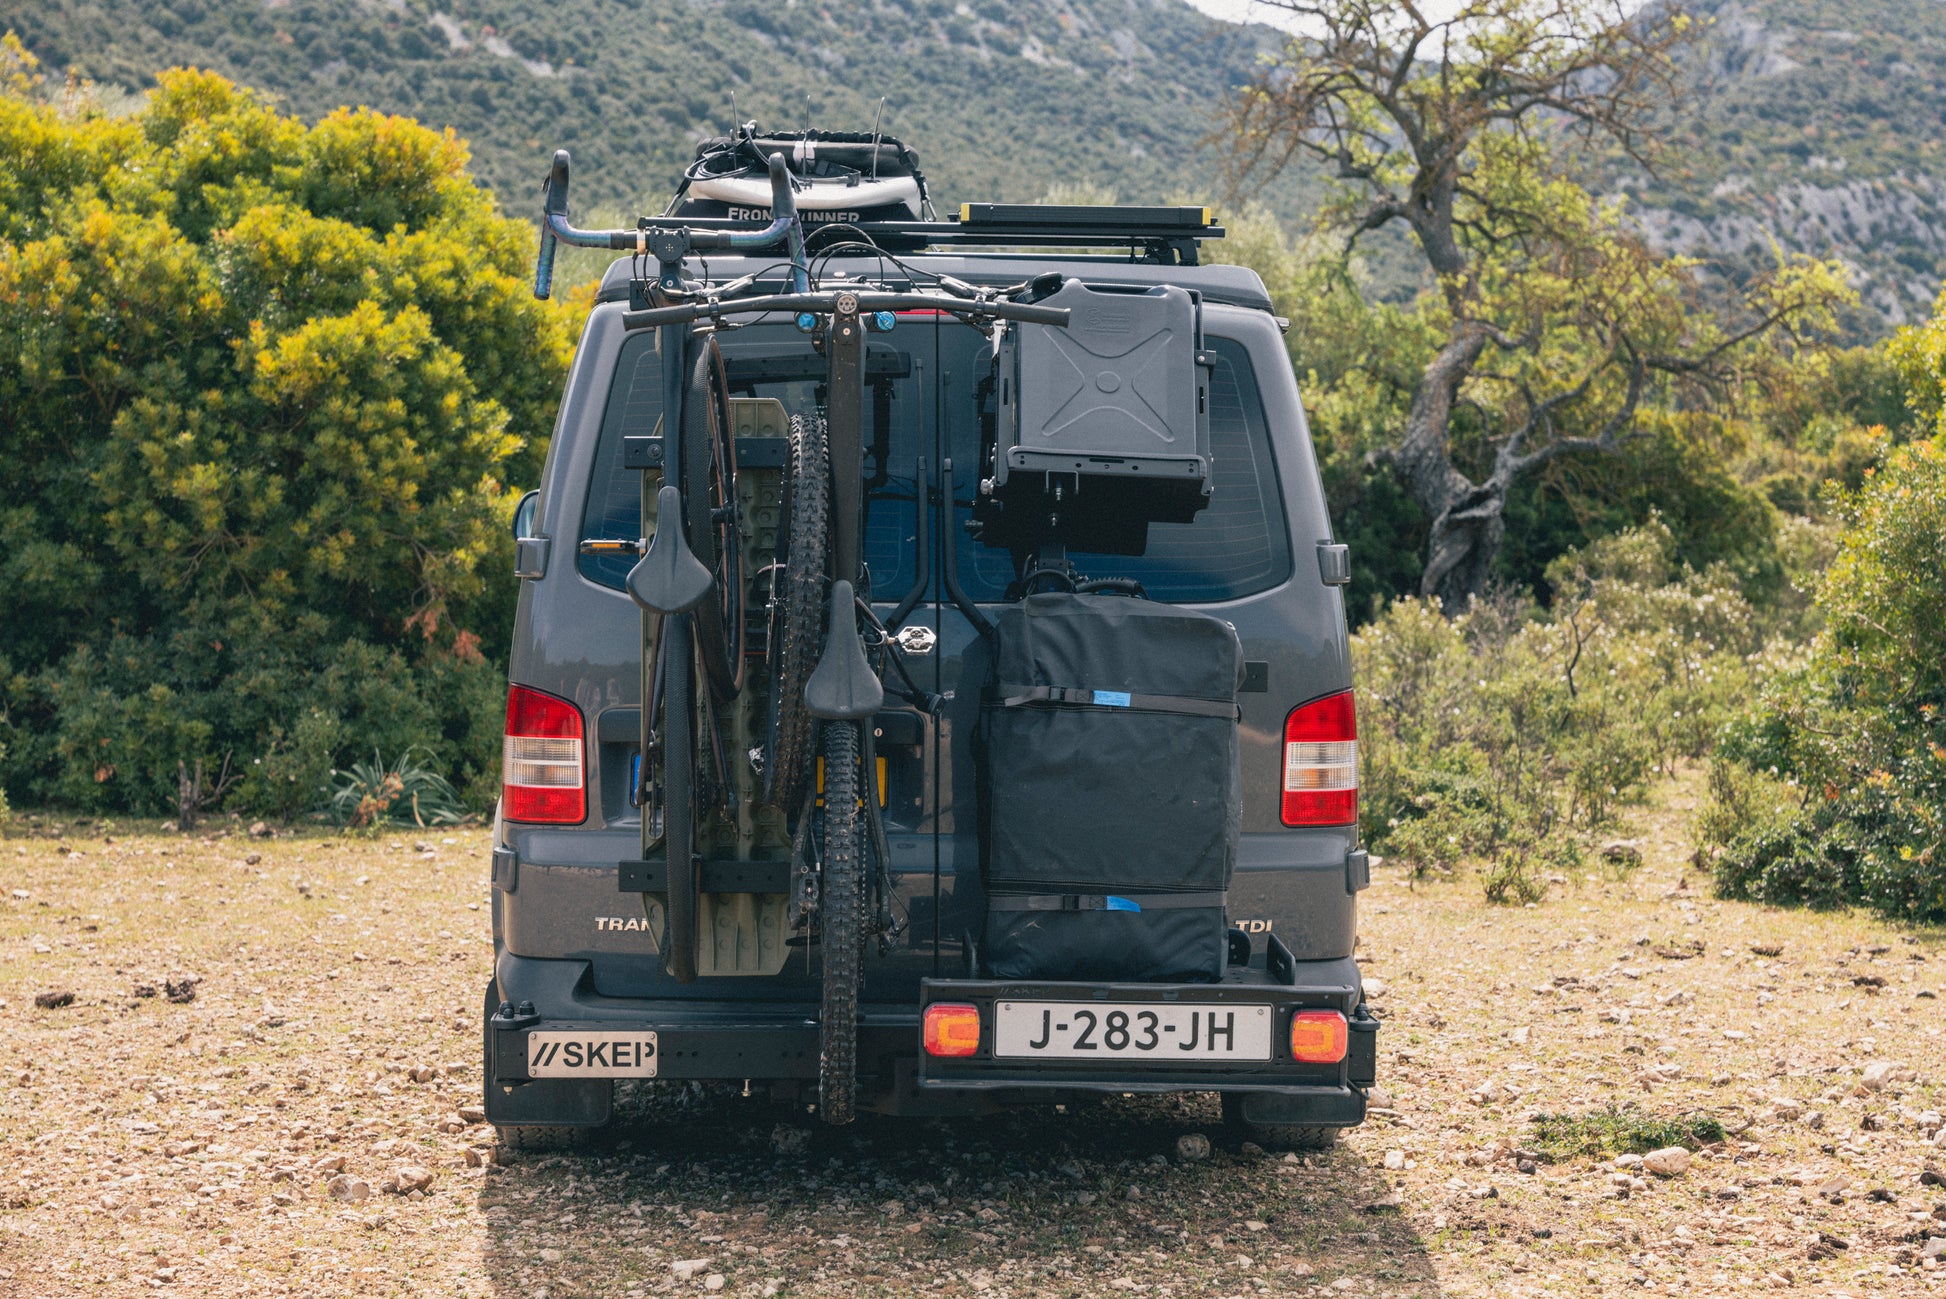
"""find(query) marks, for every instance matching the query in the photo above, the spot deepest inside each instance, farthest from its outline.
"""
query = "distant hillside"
(1002, 99)
(1820, 124)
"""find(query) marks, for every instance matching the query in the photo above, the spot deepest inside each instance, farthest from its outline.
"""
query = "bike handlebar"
(556, 228)
(823, 302)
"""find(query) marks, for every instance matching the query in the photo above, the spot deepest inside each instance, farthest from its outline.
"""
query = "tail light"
(542, 771)
(952, 1030)
(1318, 1036)
(1321, 762)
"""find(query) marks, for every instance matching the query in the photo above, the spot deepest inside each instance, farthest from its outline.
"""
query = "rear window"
(922, 400)
(1239, 544)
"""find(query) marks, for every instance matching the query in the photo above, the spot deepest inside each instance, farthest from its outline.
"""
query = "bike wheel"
(842, 910)
(709, 471)
(679, 790)
(797, 615)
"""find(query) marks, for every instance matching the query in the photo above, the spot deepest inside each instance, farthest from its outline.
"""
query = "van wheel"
(533, 1137)
(1277, 1136)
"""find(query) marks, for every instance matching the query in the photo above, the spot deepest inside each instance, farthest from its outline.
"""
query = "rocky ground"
(265, 1082)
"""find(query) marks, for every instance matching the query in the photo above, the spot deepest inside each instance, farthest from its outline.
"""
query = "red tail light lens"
(1321, 762)
(952, 1030)
(1318, 1036)
(543, 771)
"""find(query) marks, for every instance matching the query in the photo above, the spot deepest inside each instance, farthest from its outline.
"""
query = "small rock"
(788, 1140)
(422, 1073)
(688, 1267)
(1671, 1161)
(474, 1157)
(1786, 1108)
(1395, 1160)
(409, 1178)
(1931, 1176)
(1935, 1247)
(1622, 852)
(346, 1187)
(258, 830)
(329, 1164)
(182, 991)
(715, 1281)
(1192, 1147)
(55, 999)
(1374, 989)
(472, 1113)
(1880, 1074)
(550, 1255)
(251, 859)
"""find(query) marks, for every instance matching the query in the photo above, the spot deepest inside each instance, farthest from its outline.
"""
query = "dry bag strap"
(1006, 695)
(1103, 901)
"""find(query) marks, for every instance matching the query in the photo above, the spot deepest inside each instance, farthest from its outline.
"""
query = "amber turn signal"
(1318, 1036)
(952, 1029)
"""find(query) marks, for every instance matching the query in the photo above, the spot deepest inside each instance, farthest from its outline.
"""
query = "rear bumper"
(776, 1044)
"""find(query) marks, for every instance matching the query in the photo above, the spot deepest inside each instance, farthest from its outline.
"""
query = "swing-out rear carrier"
(1109, 776)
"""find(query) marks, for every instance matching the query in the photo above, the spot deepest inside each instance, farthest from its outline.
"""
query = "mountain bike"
(829, 658)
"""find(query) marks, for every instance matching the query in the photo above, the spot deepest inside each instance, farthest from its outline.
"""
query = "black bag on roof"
(1109, 780)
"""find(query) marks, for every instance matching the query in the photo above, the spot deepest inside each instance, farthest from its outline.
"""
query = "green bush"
(406, 793)
(270, 394)
(1853, 730)
(1510, 735)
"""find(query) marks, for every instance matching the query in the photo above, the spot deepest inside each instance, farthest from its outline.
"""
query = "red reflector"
(1321, 762)
(543, 773)
(1318, 1036)
(952, 1029)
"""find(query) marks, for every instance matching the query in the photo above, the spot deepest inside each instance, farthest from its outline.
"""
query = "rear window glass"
(922, 401)
(1239, 544)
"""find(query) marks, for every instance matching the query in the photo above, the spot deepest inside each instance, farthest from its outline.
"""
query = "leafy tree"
(268, 396)
(1556, 324)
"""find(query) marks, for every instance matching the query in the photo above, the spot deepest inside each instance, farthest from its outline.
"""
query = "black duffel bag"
(1109, 778)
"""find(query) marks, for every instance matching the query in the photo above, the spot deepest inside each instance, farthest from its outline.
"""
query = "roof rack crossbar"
(1165, 234)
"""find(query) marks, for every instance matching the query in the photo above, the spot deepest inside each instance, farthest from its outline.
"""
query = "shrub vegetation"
(269, 391)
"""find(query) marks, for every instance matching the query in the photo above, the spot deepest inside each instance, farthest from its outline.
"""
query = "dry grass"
(143, 1142)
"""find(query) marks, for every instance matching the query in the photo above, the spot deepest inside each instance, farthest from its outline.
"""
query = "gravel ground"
(265, 1081)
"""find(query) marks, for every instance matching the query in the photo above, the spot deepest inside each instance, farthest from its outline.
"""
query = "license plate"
(566, 1054)
(1097, 1030)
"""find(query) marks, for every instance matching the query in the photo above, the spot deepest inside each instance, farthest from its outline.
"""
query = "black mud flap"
(1316, 1107)
(551, 1102)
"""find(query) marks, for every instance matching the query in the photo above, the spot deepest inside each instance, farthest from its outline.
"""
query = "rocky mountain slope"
(1814, 126)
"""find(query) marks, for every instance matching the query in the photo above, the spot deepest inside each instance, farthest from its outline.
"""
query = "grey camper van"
(618, 955)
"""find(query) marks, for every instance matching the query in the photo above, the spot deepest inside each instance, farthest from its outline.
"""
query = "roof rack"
(1168, 235)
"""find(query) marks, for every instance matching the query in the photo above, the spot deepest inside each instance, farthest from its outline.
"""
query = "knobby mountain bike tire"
(842, 910)
(797, 607)
(709, 472)
(679, 802)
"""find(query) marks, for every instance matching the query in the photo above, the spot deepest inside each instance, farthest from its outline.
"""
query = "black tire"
(530, 1137)
(1278, 1136)
(679, 805)
(709, 472)
(797, 615)
(842, 944)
